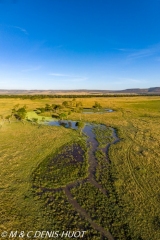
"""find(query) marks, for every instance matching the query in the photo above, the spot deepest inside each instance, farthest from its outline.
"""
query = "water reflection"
(64, 123)
(91, 111)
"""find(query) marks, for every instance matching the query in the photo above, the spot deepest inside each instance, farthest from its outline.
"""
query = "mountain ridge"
(151, 90)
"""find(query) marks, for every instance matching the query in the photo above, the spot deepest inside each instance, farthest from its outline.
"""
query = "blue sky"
(79, 44)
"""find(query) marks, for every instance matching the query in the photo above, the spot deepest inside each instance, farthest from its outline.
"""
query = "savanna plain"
(104, 181)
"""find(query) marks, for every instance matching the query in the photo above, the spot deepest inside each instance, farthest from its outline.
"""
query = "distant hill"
(155, 89)
(148, 91)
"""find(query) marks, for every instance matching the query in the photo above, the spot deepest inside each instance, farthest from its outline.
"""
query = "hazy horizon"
(87, 89)
(68, 45)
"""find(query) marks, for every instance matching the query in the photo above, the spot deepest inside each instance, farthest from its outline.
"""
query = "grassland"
(131, 177)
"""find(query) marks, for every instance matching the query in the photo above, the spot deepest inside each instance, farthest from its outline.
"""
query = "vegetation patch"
(58, 214)
(102, 209)
(103, 134)
(67, 165)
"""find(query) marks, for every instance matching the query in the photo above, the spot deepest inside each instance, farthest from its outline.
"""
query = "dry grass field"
(135, 166)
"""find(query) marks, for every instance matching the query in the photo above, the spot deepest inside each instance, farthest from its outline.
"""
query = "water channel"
(93, 146)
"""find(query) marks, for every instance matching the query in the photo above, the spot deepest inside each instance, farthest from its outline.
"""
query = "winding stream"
(93, 146)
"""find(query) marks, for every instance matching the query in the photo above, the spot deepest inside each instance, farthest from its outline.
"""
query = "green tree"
(65, 103)
(97, 106)
(57, 107)
(62, 115)
(20, 113)
(48, 107)
(80, 126)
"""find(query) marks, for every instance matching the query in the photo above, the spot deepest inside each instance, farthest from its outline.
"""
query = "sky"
(79, 44)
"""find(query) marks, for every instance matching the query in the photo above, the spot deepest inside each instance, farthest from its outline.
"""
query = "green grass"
(58, 214)
(103, 135)
(105, 210)
(23, 148)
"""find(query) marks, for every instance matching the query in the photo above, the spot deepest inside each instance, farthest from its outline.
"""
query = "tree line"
(32, 97)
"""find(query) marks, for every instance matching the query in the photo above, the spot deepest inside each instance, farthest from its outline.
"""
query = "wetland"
(93, 172)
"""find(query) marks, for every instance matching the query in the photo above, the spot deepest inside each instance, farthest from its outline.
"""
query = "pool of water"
(64, 123)
(101, 111)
